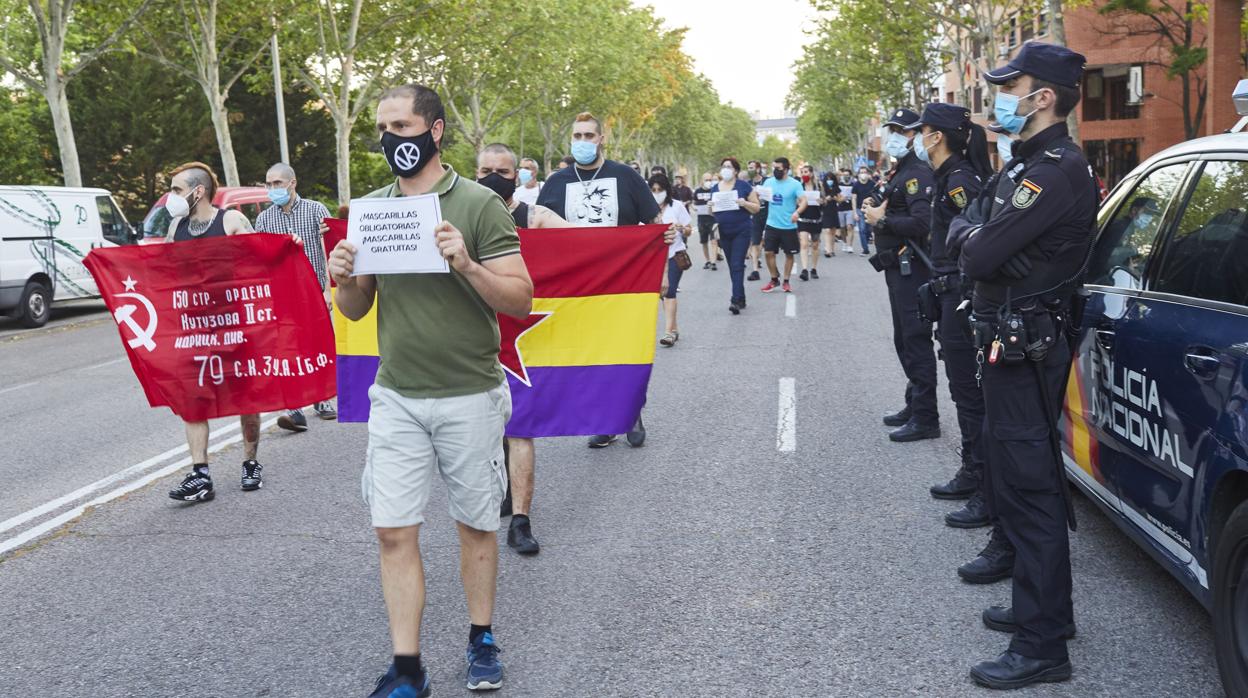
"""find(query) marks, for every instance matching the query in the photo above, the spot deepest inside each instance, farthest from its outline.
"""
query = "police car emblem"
(912, 186)
(1026, 193)
(959, 197)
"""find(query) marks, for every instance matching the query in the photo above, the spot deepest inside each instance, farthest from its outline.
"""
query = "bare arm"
(355, 293)
(235, 223)
(546, 218)
(751, 203)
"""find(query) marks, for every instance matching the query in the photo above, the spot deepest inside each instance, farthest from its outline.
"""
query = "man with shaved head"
(292, 214)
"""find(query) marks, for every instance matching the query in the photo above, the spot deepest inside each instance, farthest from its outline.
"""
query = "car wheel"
(36, 305)
(1230, 602)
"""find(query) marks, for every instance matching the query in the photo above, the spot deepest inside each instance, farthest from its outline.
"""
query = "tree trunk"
(1057, 32)
(221, 125)
(58, 103)
(342, 137)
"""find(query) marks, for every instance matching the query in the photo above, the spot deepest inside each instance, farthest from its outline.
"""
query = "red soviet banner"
(221, 326)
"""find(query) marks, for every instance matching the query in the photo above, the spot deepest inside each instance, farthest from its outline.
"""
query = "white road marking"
(131, 471)
(786, 419)
(102, 365)
(790, 306)
(19, 386)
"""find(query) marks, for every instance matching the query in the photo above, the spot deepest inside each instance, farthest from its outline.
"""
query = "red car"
(250, 200)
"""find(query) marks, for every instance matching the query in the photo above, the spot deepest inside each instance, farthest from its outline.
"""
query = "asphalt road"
(707, 563)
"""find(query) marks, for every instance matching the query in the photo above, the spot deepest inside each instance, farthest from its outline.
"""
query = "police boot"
(994, 563)
(973, 515)
(1002, 618)
(898, 419)
(962, 485)
(1012, 670)
(914, 431)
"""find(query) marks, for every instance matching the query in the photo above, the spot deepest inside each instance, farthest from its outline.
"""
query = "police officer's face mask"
(1005, 109)
(897, 145)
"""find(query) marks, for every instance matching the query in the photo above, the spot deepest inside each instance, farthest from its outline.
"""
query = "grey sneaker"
(293, 420)
(325, 410)
(252, 480)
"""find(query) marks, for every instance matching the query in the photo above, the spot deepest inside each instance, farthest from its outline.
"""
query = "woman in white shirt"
(673, 213)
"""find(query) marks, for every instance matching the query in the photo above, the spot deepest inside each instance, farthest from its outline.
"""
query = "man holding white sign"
(440, 402)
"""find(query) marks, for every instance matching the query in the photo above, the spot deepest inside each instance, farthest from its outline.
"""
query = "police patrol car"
(1155, 424)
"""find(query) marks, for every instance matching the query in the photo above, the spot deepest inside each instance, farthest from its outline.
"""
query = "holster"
(929, 302)
(883, 259)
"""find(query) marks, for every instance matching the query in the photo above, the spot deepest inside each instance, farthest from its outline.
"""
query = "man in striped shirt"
(292, 214)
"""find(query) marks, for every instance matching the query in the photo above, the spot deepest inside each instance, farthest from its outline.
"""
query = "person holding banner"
(192, 187)
(440, 402)
(597, 191)
(294, 215)
(496, 169)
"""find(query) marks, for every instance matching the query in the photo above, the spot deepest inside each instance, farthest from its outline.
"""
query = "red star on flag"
(511, 330)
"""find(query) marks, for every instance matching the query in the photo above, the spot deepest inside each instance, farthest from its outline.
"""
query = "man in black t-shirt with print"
(596, 191)
(706, 221)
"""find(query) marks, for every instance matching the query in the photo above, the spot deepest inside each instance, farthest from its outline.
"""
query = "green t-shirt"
(437, 337)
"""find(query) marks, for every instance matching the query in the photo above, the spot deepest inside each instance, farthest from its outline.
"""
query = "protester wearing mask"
(192, 187)
(441, 400)
(529, 187)
(901, 219)
(497, 171)
(860, 190)
(757, 176)
(294, 215)
(735, 228)
(828, 213)
(844, 209)
(706, 222)
(675, 214)
(601, 192)
(808, 224)
(788, 203)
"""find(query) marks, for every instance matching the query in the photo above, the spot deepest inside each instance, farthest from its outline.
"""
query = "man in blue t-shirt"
(786, 204)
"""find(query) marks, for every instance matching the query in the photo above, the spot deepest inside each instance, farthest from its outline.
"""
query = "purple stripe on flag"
(355, 376)
(577, 400)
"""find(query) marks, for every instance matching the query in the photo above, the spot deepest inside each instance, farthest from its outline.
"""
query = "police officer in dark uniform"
(1026, 255)
(958, 150)
(902, 217)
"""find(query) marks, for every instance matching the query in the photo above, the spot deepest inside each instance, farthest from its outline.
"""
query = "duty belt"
(1016, 335)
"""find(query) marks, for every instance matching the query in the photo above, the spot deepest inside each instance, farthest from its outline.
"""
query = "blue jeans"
(735, 244)
(864, 232)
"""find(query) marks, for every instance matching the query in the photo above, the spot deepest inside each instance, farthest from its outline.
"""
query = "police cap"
(902, 118)
(1049, 62)
(942, 115)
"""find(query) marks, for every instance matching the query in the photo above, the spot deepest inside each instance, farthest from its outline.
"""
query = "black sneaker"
(828, 255)
(602, 440)
(706, 266)
(753, 276)
(719, 256)
(252, 479)
(196, 487)
(325, 410)
(734, 308)
(520, 536)
(293, 420)
(814, 273)
(804, 276)
(637, 435)
(714, 266)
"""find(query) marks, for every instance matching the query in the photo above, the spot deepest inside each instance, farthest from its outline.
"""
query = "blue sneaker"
(391, 685)
(485, 672)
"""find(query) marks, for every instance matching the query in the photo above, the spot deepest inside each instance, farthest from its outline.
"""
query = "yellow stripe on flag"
(355, 338)
(593, 331)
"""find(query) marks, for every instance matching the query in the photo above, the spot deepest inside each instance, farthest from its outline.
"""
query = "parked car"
(1156, 419)
(250, 200)
(45, 233)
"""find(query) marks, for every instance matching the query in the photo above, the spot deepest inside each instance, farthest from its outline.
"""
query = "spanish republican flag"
(580, 363)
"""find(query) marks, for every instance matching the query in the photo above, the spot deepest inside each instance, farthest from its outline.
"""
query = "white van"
(45, 233)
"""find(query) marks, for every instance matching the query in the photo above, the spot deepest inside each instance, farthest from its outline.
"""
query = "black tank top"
(521, 215)
(215, 229)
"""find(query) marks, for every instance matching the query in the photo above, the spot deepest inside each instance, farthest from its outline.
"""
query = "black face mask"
(499, 185)
(778, 173)
(408, 155)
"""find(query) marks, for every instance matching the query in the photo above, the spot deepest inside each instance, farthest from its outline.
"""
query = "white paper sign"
(764, 193)
(701, 209)
(847, 192)
(395, 235)
(812, 198)
(724, 201)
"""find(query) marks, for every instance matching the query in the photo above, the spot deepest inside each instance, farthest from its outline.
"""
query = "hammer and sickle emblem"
(125, 315)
